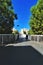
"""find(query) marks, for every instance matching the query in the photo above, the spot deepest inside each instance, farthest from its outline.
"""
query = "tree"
(7, 16)
(30, 32)
(36, 21)
(15, 32)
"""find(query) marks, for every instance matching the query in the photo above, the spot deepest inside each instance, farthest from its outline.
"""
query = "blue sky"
(22, 9)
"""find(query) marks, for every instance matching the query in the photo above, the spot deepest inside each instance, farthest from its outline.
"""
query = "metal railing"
(10, 38)
(7, 38)
(38, 38)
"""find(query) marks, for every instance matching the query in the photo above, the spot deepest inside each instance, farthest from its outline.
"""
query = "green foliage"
(30, 32)
(16, 32)
(36, 21)
(7, 16)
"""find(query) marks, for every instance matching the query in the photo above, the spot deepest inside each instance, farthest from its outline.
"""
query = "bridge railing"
(7, 38)
(38, 38)
(10, 38)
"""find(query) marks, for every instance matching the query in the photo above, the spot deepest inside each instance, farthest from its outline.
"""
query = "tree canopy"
(7, 17)
(36, 21)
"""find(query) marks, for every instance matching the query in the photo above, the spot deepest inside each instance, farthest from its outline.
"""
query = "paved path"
(24, 53)
(38, 46)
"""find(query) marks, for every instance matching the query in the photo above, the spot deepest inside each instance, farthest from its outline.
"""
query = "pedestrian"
(26, 36)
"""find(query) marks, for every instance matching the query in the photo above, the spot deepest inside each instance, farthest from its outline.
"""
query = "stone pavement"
(37, 45)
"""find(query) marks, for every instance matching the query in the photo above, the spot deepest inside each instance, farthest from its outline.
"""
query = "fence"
(10, 38)
(7, 38)
(38, 38)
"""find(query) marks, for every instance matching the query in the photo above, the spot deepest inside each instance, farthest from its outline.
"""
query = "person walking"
(26, 36)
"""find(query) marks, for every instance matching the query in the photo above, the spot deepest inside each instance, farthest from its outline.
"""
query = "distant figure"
(26, 36)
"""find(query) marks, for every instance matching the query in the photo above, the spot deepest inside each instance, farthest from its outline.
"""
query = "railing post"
(2, 40)
(38, 38)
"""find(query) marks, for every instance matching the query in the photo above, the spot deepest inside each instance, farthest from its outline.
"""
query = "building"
(24, 29)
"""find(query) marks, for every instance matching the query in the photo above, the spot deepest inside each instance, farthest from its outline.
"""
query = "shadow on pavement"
(21, 40)
(21, 55)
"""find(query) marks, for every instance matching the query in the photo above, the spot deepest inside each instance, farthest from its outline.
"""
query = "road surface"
(24, 53)
(37, 45)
